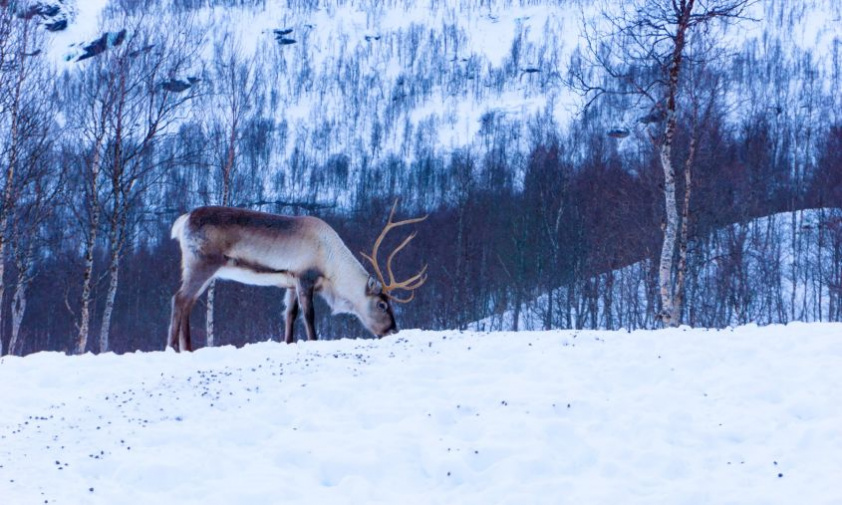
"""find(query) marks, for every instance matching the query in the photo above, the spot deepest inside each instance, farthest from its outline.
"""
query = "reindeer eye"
(382, 305)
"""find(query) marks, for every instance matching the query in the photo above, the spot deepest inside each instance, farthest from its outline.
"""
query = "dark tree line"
(532, 224)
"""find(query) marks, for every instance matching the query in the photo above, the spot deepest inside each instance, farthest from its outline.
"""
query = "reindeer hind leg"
(196, 280)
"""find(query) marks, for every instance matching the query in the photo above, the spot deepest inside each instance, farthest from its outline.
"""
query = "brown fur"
(300, 253)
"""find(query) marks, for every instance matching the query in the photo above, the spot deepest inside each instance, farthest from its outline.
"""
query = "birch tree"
(88, 118)
(23, 94)
(132, 96)
(236, 88)
(641, 50)
(152, 80)
(37, 194)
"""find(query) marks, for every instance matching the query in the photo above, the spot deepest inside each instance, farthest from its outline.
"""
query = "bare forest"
(554, 172)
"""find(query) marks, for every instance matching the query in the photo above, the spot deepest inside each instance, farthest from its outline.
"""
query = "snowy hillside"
(390, 76)
(782, 267)
(387, 72)
(749, 415)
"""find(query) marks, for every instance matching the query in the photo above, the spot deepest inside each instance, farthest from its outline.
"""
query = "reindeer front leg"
(306, 288)
(291, 302)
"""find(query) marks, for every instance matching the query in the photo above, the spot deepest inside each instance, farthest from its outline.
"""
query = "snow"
(744, 415)
(338, 88)
(83, 26)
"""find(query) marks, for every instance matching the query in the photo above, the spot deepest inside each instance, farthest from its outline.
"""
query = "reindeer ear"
(373, 287)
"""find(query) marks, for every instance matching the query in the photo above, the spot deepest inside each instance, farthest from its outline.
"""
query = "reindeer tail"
(178, 226)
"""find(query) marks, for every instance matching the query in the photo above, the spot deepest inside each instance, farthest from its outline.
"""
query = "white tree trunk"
(87, 288)
(113, 275)
(680, 284)
(90, 244)
(209, 314)
(665, 269)
(2, 274)
(2, 288)
(227, 169)
(18, 310)
(670, 233)
(24, 264)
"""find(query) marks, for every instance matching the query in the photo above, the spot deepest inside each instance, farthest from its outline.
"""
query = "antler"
(411, 284)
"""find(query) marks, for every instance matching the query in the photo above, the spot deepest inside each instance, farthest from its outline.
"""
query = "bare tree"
(34, 207)
(129, 97)
(641, 49)
(88, 118)
(23, 119)
(237, 85)
(703, 91)
(151, 84)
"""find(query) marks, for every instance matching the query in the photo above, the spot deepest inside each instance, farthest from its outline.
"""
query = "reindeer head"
(379, 317)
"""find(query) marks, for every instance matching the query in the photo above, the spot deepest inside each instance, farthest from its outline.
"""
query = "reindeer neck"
(345, 278)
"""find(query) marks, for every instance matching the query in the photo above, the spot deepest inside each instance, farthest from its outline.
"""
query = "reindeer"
(300, 253)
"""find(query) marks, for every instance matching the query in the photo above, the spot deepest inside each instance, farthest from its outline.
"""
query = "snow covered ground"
(749, 415)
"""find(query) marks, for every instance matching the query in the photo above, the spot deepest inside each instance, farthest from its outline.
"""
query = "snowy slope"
(401, 69)
(794, 251)
(749, 416)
